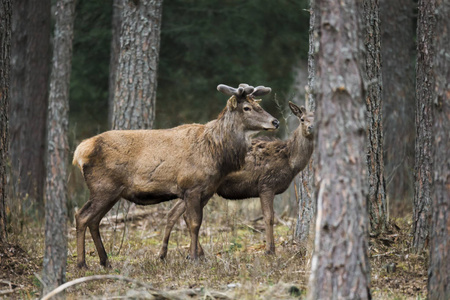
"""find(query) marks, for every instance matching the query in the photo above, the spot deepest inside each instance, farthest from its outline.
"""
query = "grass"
(235, 266)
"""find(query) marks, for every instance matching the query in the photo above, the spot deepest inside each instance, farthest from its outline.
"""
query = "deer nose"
(276, 123)
(311, 128)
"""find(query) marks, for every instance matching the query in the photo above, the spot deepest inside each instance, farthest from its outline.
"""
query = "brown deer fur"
(270, 166)
(153, 166)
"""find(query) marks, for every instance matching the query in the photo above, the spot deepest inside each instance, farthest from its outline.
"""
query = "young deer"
(270, 166)
(153, 166)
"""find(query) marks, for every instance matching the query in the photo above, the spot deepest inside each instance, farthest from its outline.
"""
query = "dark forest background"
(203, 43)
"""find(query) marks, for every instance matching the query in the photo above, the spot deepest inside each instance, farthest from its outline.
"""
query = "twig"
(384, 254)
(64, 286)
(5, 292)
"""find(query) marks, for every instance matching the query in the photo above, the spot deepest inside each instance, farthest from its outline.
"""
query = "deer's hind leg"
(90, 216)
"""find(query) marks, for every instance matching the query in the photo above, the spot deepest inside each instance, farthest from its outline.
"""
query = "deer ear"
(295, 109)
(232, 102)
(303, 110)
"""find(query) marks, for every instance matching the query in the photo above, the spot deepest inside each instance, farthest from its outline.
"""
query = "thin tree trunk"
(424, 122)
(340, 266)
(55, 256)
(30, 71)
(378, 210)
(136, 77)
(5, 55)
(114, 59)
(306, 201)
(439, 267)
(397, 54)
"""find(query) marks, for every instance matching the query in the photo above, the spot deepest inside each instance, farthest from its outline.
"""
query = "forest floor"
(235, 266)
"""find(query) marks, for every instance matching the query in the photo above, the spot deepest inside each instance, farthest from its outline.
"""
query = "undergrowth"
(235, 265)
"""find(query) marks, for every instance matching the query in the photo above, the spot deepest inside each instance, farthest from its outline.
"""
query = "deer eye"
(303, 120)
(247, 108)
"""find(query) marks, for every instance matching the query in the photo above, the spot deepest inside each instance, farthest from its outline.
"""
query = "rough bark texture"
(375, 163)
(397, 53)
(55, 255)
(424, 123)
(306, 201)
(439, 268)
(30, 70)
(136, 77)
(5, 54)
(340, 266)
(114, 59)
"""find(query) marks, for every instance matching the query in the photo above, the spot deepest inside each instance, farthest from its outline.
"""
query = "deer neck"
(226, 139)
(300, 149)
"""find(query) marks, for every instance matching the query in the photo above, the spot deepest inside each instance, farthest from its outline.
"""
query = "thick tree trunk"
(136, 77)
(424, 122)
(397, 54)
(5, 55)
(378, 210)
(306, 201)
(55, 255)
(30, 69)
(439, 268)
(340, 266)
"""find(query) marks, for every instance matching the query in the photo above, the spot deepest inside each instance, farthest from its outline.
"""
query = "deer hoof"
(82, 265)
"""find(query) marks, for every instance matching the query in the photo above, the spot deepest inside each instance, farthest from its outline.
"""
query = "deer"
(156, 165)
(270, 166)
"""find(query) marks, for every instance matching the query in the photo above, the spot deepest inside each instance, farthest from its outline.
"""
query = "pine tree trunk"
(424, 122)
(378, 211)
(340, 266)
(136, 77)
(397, 54)
(114, 59)
(55, 255)
(306, 201)
(439, 267)
(30, 71)
(5, 55)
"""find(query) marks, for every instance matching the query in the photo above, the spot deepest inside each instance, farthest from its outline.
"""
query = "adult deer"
(153, 166)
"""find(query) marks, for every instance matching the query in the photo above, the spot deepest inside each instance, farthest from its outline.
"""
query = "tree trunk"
(306, 201)
(424, 122)
(5, 55)
(375, 163)
(397, 54)
(136, 77)
(439, 268)
(340, 266)
(55, 255)
(30, 69)
(114, 59)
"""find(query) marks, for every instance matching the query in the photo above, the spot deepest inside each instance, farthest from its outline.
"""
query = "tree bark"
(5, 56)
(55, 255)
(424, 123)
(378, 210)
(397, 54)
(340, 266)
(439, 267)
(136, 77)
(114, 59)
(30, 70)
(306, 201)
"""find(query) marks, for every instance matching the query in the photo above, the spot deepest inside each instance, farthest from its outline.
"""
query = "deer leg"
(266, 198)
(172, 216)
(89, 216)
(194, 216)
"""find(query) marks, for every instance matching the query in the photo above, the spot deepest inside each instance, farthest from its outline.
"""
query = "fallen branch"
(64, 286)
